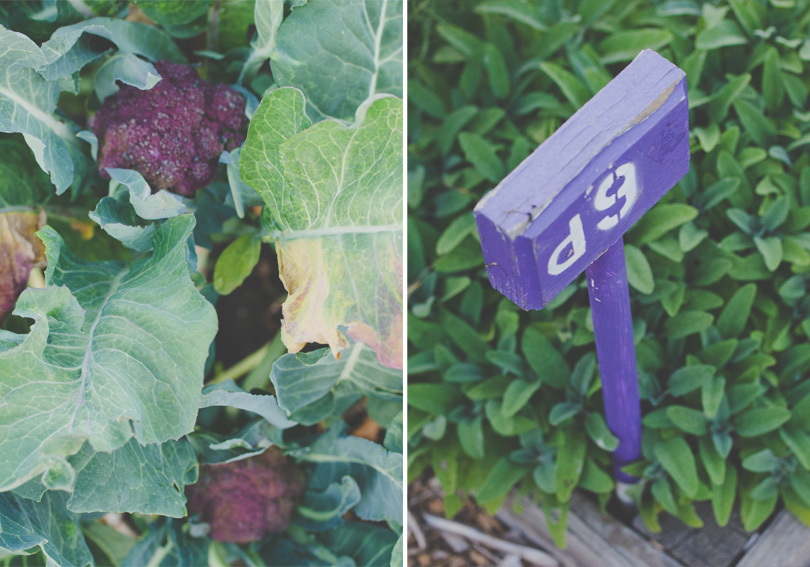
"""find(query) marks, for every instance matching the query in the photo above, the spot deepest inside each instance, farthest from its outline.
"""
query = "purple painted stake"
(616, 353)
(565, 209)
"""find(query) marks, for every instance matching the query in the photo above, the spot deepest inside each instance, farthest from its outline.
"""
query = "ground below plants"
(434, 548)
(475, 538)
(250, 316)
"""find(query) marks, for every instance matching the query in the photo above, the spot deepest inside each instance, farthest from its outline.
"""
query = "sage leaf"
(570, 462)
(624, 45)
(758, 421)
(677, 459)
(639, 273)
(734, 316)
(723, 496)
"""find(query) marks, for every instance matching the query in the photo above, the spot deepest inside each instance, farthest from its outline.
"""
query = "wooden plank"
(711, 545)
(709, 548)
(593, 539)
(673, 530)
(586, 185)
(784, 543)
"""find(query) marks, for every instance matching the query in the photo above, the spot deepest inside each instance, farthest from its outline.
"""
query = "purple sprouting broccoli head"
(173, 133)
(246, 499)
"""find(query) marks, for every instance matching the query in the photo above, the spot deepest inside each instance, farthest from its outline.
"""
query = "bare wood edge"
(592, 539)
(416, 531)
(785, 542)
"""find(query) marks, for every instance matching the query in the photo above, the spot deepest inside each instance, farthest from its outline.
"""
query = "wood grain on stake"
(586, 185)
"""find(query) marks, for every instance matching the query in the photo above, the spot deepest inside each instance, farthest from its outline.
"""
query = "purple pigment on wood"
(565, 209)
(587, 184)
(616, 352)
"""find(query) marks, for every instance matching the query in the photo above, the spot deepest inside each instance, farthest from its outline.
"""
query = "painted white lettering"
(575, 240)
(628, 189)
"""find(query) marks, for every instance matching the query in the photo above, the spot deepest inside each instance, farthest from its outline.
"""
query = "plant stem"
(301, 537)
(260, 376)
(216, 555)
(251, 557)
(162, 552)
(271, 351)
(242, 367)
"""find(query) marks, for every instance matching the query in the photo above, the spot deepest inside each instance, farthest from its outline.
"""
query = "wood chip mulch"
(432, 547)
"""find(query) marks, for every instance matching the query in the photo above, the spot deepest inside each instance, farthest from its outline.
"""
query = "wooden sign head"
(586, 185)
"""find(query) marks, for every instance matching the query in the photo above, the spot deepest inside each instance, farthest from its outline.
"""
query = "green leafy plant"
(150, 151)
(717, 270)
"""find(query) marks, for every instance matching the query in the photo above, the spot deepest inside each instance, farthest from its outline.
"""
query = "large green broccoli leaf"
(135, 478)
(325, 509)
(166, 542)
(267, 16)
(149, 479)
(27, 103)
(312, 386)
(69, 49)
(366, 544)
(115, 349)
(25, 524)
(334, 193)
(229, 394)
(353, 51)
(126, 212)
(22, 183)
(376, 471)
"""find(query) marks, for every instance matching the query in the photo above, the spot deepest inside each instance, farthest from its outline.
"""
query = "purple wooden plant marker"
(565, 209)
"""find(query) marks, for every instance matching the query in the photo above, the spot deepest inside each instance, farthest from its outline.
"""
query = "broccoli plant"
(173, 133)
(201, 283)
(246, 499)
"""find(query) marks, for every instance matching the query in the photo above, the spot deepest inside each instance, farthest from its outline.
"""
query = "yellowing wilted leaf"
(334, 193)
(20, 250)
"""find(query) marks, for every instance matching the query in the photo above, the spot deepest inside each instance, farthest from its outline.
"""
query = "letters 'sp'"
(587, 184)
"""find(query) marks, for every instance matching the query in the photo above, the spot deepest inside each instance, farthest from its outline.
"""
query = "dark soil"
(250, 316)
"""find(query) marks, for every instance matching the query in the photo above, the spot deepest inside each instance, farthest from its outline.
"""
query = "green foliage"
(718, 270)
(104, 358)
(335, 197)
(236, 263)
(86, 321)
(314, 386)
(361, 52)
(173, 13)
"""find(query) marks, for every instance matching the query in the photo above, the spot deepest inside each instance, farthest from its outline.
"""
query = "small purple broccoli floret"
(246, 499)
(173, 133)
